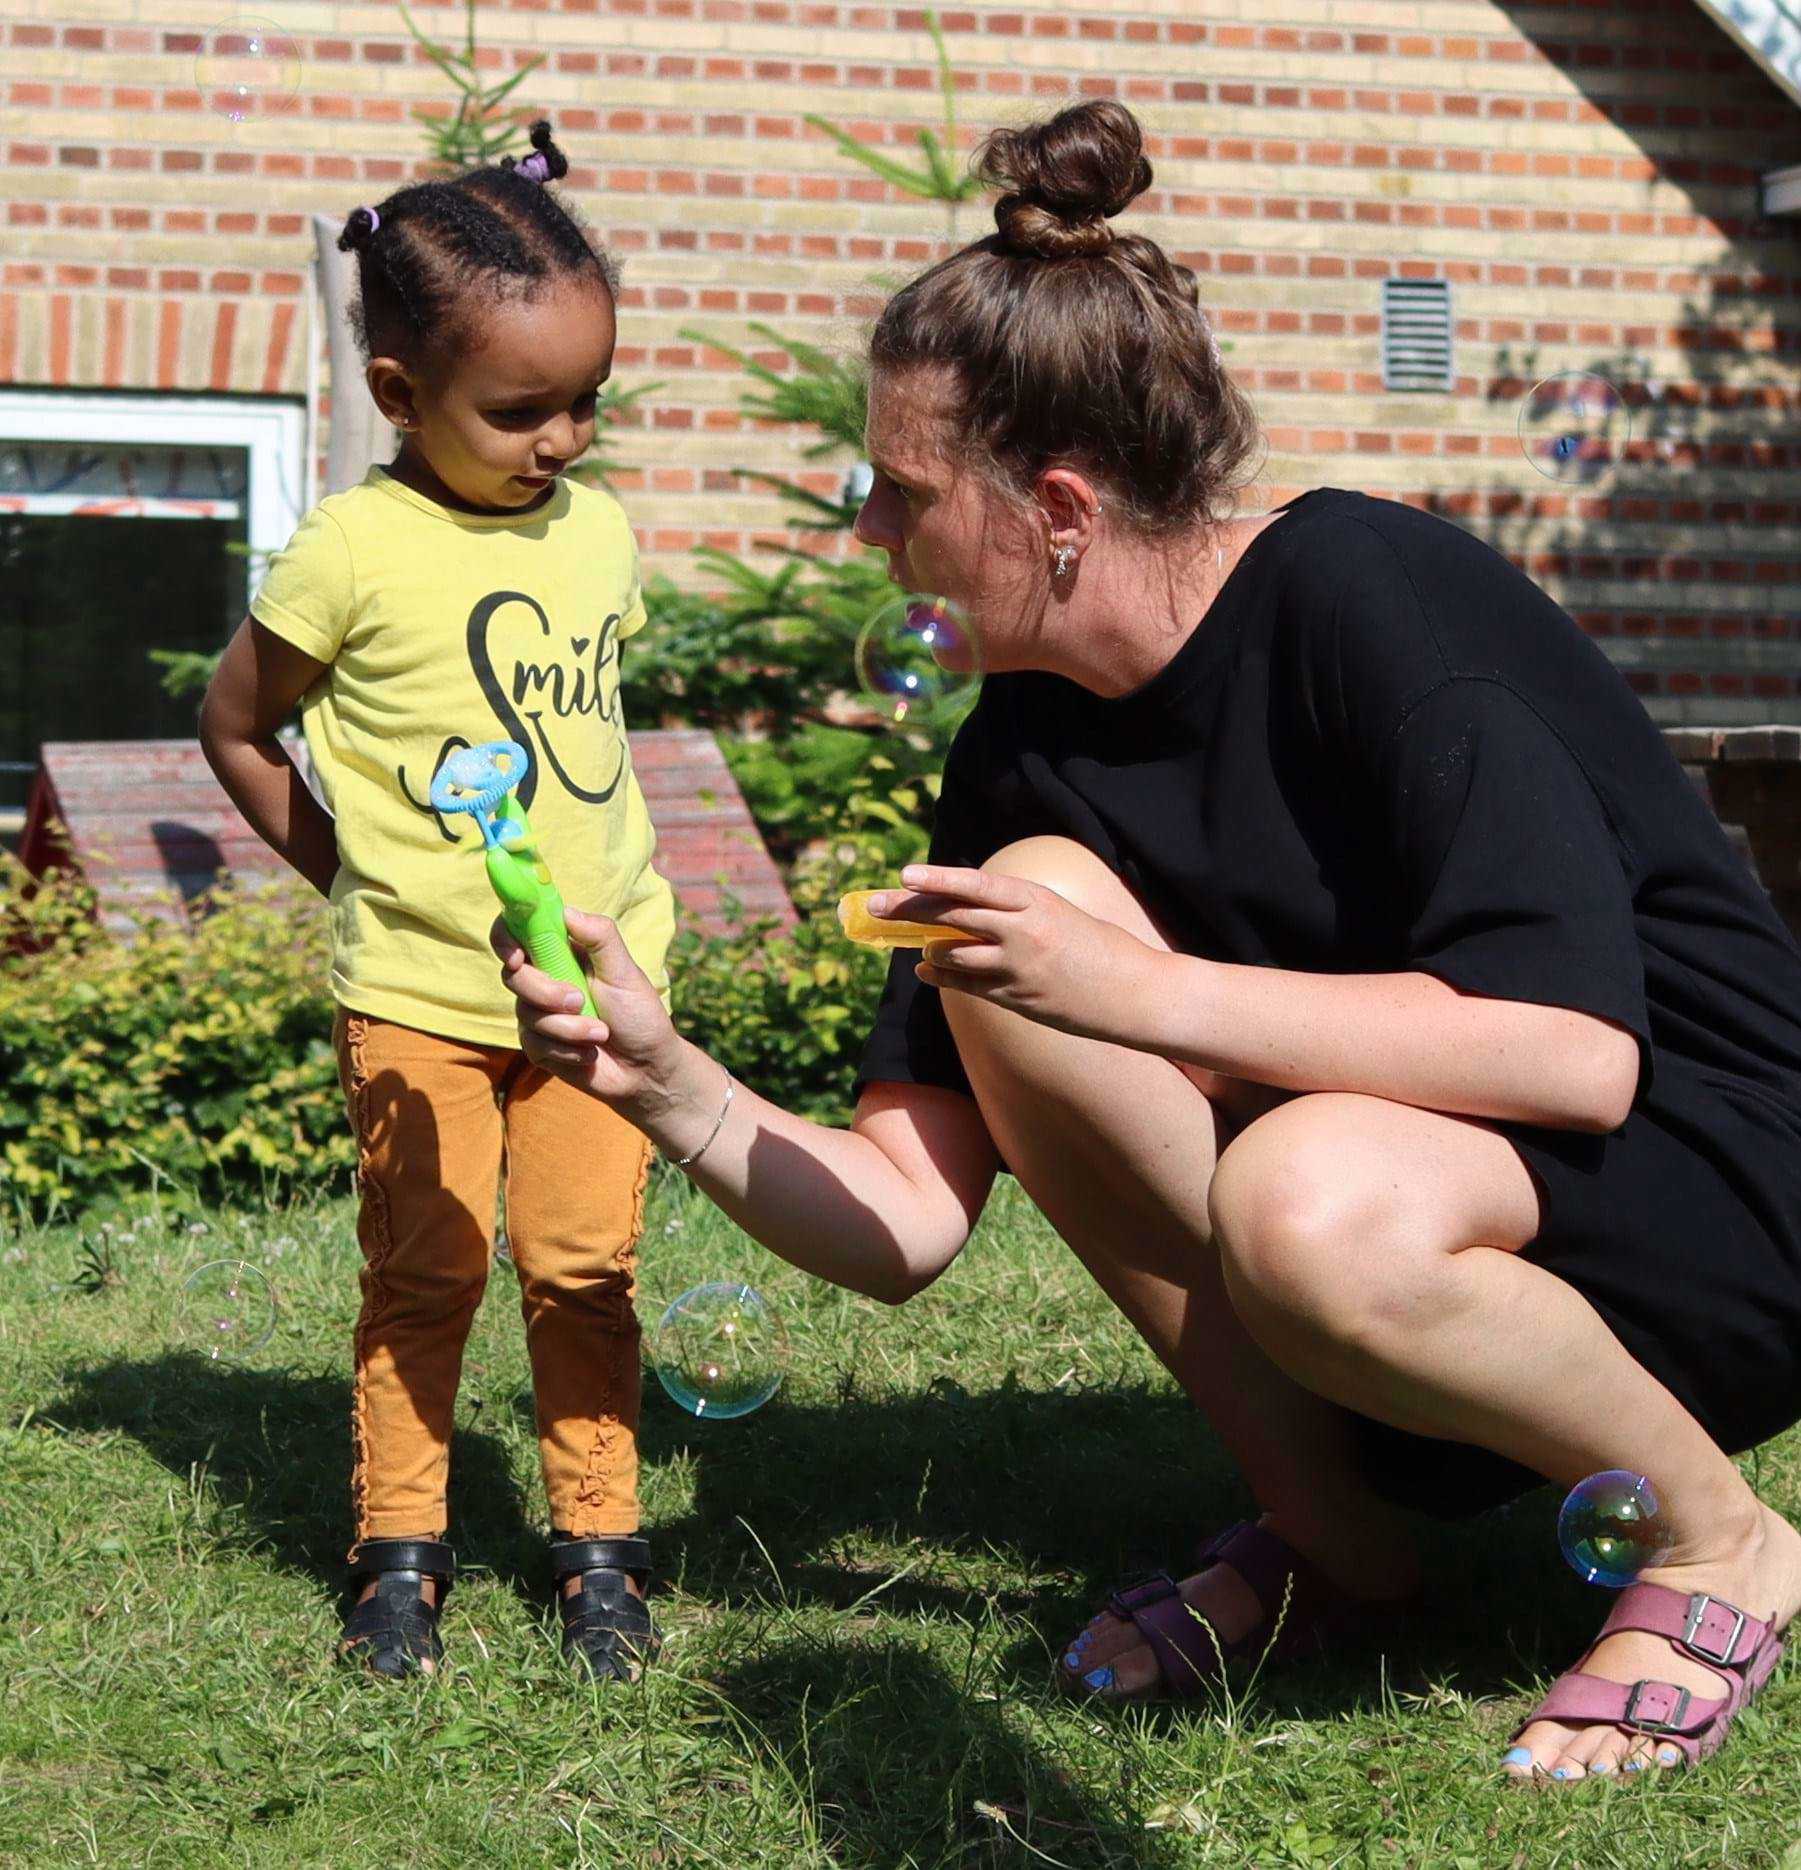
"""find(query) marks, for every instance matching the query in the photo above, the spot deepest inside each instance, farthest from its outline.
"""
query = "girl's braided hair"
(434, 253)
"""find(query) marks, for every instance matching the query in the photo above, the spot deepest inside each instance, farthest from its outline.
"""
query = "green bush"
(201, 1056)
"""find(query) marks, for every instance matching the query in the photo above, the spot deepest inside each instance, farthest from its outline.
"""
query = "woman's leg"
(1371, 1250)
(1117, 1149)
(428, 1138)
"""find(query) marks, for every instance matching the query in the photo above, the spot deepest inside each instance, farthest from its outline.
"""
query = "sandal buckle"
(1671, 1722)
(1698, 1607)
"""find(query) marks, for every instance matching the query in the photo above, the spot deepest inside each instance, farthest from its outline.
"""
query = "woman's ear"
(1070, 506)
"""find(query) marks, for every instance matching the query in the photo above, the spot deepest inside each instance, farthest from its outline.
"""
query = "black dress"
(1386, 750)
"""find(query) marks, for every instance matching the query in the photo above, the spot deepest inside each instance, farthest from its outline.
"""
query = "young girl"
(467, 593)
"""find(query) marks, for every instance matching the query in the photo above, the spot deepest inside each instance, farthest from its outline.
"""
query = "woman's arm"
(253, 691)
(1408, 1037)
(881, 1208)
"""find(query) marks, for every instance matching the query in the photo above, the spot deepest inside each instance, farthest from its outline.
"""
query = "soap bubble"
(244, 64)
(719, 1350)
(916, 656)
(1611, 1528)
(1575, 426)
(227, 1309)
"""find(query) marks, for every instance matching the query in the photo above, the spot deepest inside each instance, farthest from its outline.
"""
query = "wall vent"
(1416, 334)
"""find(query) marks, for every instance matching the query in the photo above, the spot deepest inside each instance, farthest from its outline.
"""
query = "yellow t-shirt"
(443, 630)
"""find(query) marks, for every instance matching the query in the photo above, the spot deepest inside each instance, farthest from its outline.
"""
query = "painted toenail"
(1600, 1766)
(1667, 1756)
(1560, 1772)
(1099, 1678)
(1072, 1659)
(1520, 1756)
(1635, 1766)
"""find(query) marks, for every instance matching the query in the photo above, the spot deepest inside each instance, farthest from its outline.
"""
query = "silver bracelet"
(731, 1087)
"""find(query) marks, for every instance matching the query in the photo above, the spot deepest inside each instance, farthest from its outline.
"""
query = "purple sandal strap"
(1646, 1707)
(1290, 1590)
(1188, 1650)
(1707, 1628)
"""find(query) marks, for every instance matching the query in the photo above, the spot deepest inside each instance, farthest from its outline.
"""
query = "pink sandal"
(1741, 1650)
(1303, 1613)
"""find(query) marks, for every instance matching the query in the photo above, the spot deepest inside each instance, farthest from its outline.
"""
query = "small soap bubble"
(1611, 1528)
(227, 1309)
(917, 656)
(1575, 427)
(245, 64)
(720, 1350)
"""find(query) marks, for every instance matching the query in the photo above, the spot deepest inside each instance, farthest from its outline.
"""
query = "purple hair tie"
(374, 220)
(535, 167)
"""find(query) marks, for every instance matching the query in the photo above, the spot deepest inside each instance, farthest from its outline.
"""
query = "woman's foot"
(1759, 1570)
(1111, 1658)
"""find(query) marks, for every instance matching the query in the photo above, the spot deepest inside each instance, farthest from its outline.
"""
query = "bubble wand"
(481, 781)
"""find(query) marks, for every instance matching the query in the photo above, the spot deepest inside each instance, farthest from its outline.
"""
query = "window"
(127, 524)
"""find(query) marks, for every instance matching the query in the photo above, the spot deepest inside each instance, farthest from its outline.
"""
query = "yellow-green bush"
(203, 1056)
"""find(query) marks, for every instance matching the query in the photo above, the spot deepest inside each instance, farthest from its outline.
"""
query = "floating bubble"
(1575, 427)
(720, 1351)
(1611, 1528)
(227, 1309)
(916, 656)
(244, 64)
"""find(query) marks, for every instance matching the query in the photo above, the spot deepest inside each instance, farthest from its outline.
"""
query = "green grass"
(862, 1587)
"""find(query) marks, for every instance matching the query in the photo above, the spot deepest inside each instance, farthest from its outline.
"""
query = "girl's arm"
(881, 1208)
(253, 691)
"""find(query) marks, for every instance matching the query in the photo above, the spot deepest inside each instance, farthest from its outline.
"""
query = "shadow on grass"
(1028, 1503)
(902, 1766)
(276, 1446)
(1073, 1492)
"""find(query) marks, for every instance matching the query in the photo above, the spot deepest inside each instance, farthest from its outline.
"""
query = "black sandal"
(606, 1630)
(394, 1632)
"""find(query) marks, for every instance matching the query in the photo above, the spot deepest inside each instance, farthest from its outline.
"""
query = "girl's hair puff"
(435, 254)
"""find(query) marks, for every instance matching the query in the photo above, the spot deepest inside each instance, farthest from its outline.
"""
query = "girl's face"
(946, 530)
(491, 429)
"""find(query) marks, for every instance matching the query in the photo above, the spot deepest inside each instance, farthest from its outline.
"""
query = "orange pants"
(438, 1122)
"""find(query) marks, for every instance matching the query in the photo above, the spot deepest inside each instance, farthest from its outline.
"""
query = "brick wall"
(1582, 173)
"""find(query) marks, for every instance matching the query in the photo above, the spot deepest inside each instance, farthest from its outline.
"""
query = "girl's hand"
(626, 1057)
(1039, 954)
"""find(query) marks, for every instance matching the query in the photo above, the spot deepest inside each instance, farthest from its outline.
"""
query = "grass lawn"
(862, 1587)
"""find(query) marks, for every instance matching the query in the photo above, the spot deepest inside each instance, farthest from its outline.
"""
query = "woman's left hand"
(1038, 955)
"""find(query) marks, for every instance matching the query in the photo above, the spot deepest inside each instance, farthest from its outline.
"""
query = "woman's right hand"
(626, 1057)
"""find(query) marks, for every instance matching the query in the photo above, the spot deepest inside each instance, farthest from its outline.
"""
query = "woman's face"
(946, 531)
(497, 424)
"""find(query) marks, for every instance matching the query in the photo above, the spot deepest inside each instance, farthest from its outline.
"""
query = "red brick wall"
(1582, 173)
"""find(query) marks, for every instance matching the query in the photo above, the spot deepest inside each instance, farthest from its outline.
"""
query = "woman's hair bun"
(1061, 179)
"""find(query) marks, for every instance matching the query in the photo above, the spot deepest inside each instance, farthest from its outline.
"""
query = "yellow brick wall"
(1583, 175)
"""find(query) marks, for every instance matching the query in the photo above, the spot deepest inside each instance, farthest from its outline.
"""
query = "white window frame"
(272, 430)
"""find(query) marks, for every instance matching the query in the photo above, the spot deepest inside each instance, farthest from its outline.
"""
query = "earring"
(1061, 560)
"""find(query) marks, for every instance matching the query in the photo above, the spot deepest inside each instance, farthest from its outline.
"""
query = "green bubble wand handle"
(481, 781)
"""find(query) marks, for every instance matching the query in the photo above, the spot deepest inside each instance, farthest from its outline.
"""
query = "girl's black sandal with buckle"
(607, 1631)
(394, 1632)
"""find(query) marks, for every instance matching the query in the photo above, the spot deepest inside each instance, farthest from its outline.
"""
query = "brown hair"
(1069, 342)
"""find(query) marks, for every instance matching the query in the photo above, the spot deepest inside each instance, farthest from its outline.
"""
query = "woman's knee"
(1308, 1233)
(1079, 877)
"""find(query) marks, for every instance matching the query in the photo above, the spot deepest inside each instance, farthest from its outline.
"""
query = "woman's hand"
(1038, 955)
(627, 1056)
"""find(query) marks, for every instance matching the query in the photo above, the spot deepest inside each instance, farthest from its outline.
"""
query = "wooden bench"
(152, 829)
